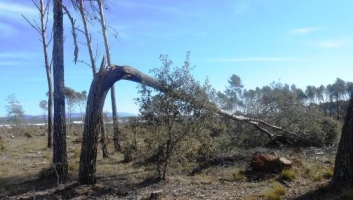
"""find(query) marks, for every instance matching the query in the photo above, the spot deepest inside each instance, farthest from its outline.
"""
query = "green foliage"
(177, 119)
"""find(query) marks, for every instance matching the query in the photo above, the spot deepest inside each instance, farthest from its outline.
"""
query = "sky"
(292, 42)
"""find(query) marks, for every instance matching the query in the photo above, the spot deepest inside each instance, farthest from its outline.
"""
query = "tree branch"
(73, 31)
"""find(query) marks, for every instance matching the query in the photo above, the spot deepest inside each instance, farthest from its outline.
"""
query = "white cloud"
(306, 30)
(333, 44)
(6, 29)
(18, 54)
(9, 9)
(256, 59)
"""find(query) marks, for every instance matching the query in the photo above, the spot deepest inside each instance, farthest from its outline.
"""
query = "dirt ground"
(24, 162)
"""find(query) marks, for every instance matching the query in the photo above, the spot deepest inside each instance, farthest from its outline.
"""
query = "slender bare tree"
(42, 30)
(80, 5)
(116, 130)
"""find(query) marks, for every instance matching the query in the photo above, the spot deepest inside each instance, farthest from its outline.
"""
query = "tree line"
(332, 99)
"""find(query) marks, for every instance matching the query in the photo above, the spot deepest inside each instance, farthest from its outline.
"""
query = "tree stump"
(269, 163)
(156, 195)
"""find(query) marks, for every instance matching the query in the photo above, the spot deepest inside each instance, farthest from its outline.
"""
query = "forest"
(189, 140)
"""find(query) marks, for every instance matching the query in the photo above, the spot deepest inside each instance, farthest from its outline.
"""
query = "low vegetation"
(26, 164)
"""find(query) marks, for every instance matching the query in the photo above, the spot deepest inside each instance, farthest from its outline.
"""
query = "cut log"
(269, 163)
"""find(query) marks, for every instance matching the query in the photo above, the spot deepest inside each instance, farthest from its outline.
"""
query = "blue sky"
(293, 41)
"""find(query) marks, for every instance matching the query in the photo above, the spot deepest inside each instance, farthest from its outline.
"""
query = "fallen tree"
(100, 85)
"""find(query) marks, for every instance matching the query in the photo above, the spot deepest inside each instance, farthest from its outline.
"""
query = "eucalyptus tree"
(44, 106)
(349, 87)
(71, 99)
(42, 29)
(81, 102)
(310, 92)
(116, 130)
(15, 112)
(339, 92)
(234, 93)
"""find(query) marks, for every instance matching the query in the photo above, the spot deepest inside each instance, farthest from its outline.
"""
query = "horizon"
(301, 43)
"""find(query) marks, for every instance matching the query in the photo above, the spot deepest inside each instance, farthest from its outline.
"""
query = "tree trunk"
(112, 90)
(104, 139)
(50, 111)
(59, 144)
(343, 172)
(101, 83)
(116, 134)
(48, 71)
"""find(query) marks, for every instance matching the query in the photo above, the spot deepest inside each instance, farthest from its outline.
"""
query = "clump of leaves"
(275, 192)
(175, 121)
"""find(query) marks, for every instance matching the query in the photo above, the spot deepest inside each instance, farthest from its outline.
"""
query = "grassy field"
(25, 162)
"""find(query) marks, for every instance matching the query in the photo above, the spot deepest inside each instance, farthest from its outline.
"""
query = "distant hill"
(39, 118)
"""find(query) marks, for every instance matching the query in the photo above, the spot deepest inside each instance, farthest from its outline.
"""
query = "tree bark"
(104, 139)
(101, 83)
(45, 43)
(116, 134)
(59, 143)
(343, 172)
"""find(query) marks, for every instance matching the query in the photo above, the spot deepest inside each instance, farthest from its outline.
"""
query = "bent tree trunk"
(103, 81)
(343, 172)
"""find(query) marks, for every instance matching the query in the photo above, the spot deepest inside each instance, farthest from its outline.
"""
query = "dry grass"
(24, 163)
(289, 174)
(275, 192)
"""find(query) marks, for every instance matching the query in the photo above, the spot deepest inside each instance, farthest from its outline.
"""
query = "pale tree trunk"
(343, 172)
(116, 134)
(59, 143)
(42, 30)
(94, 69)
(45, 43)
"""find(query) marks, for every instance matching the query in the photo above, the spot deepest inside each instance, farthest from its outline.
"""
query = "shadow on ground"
(329, 192)
(69, 188)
